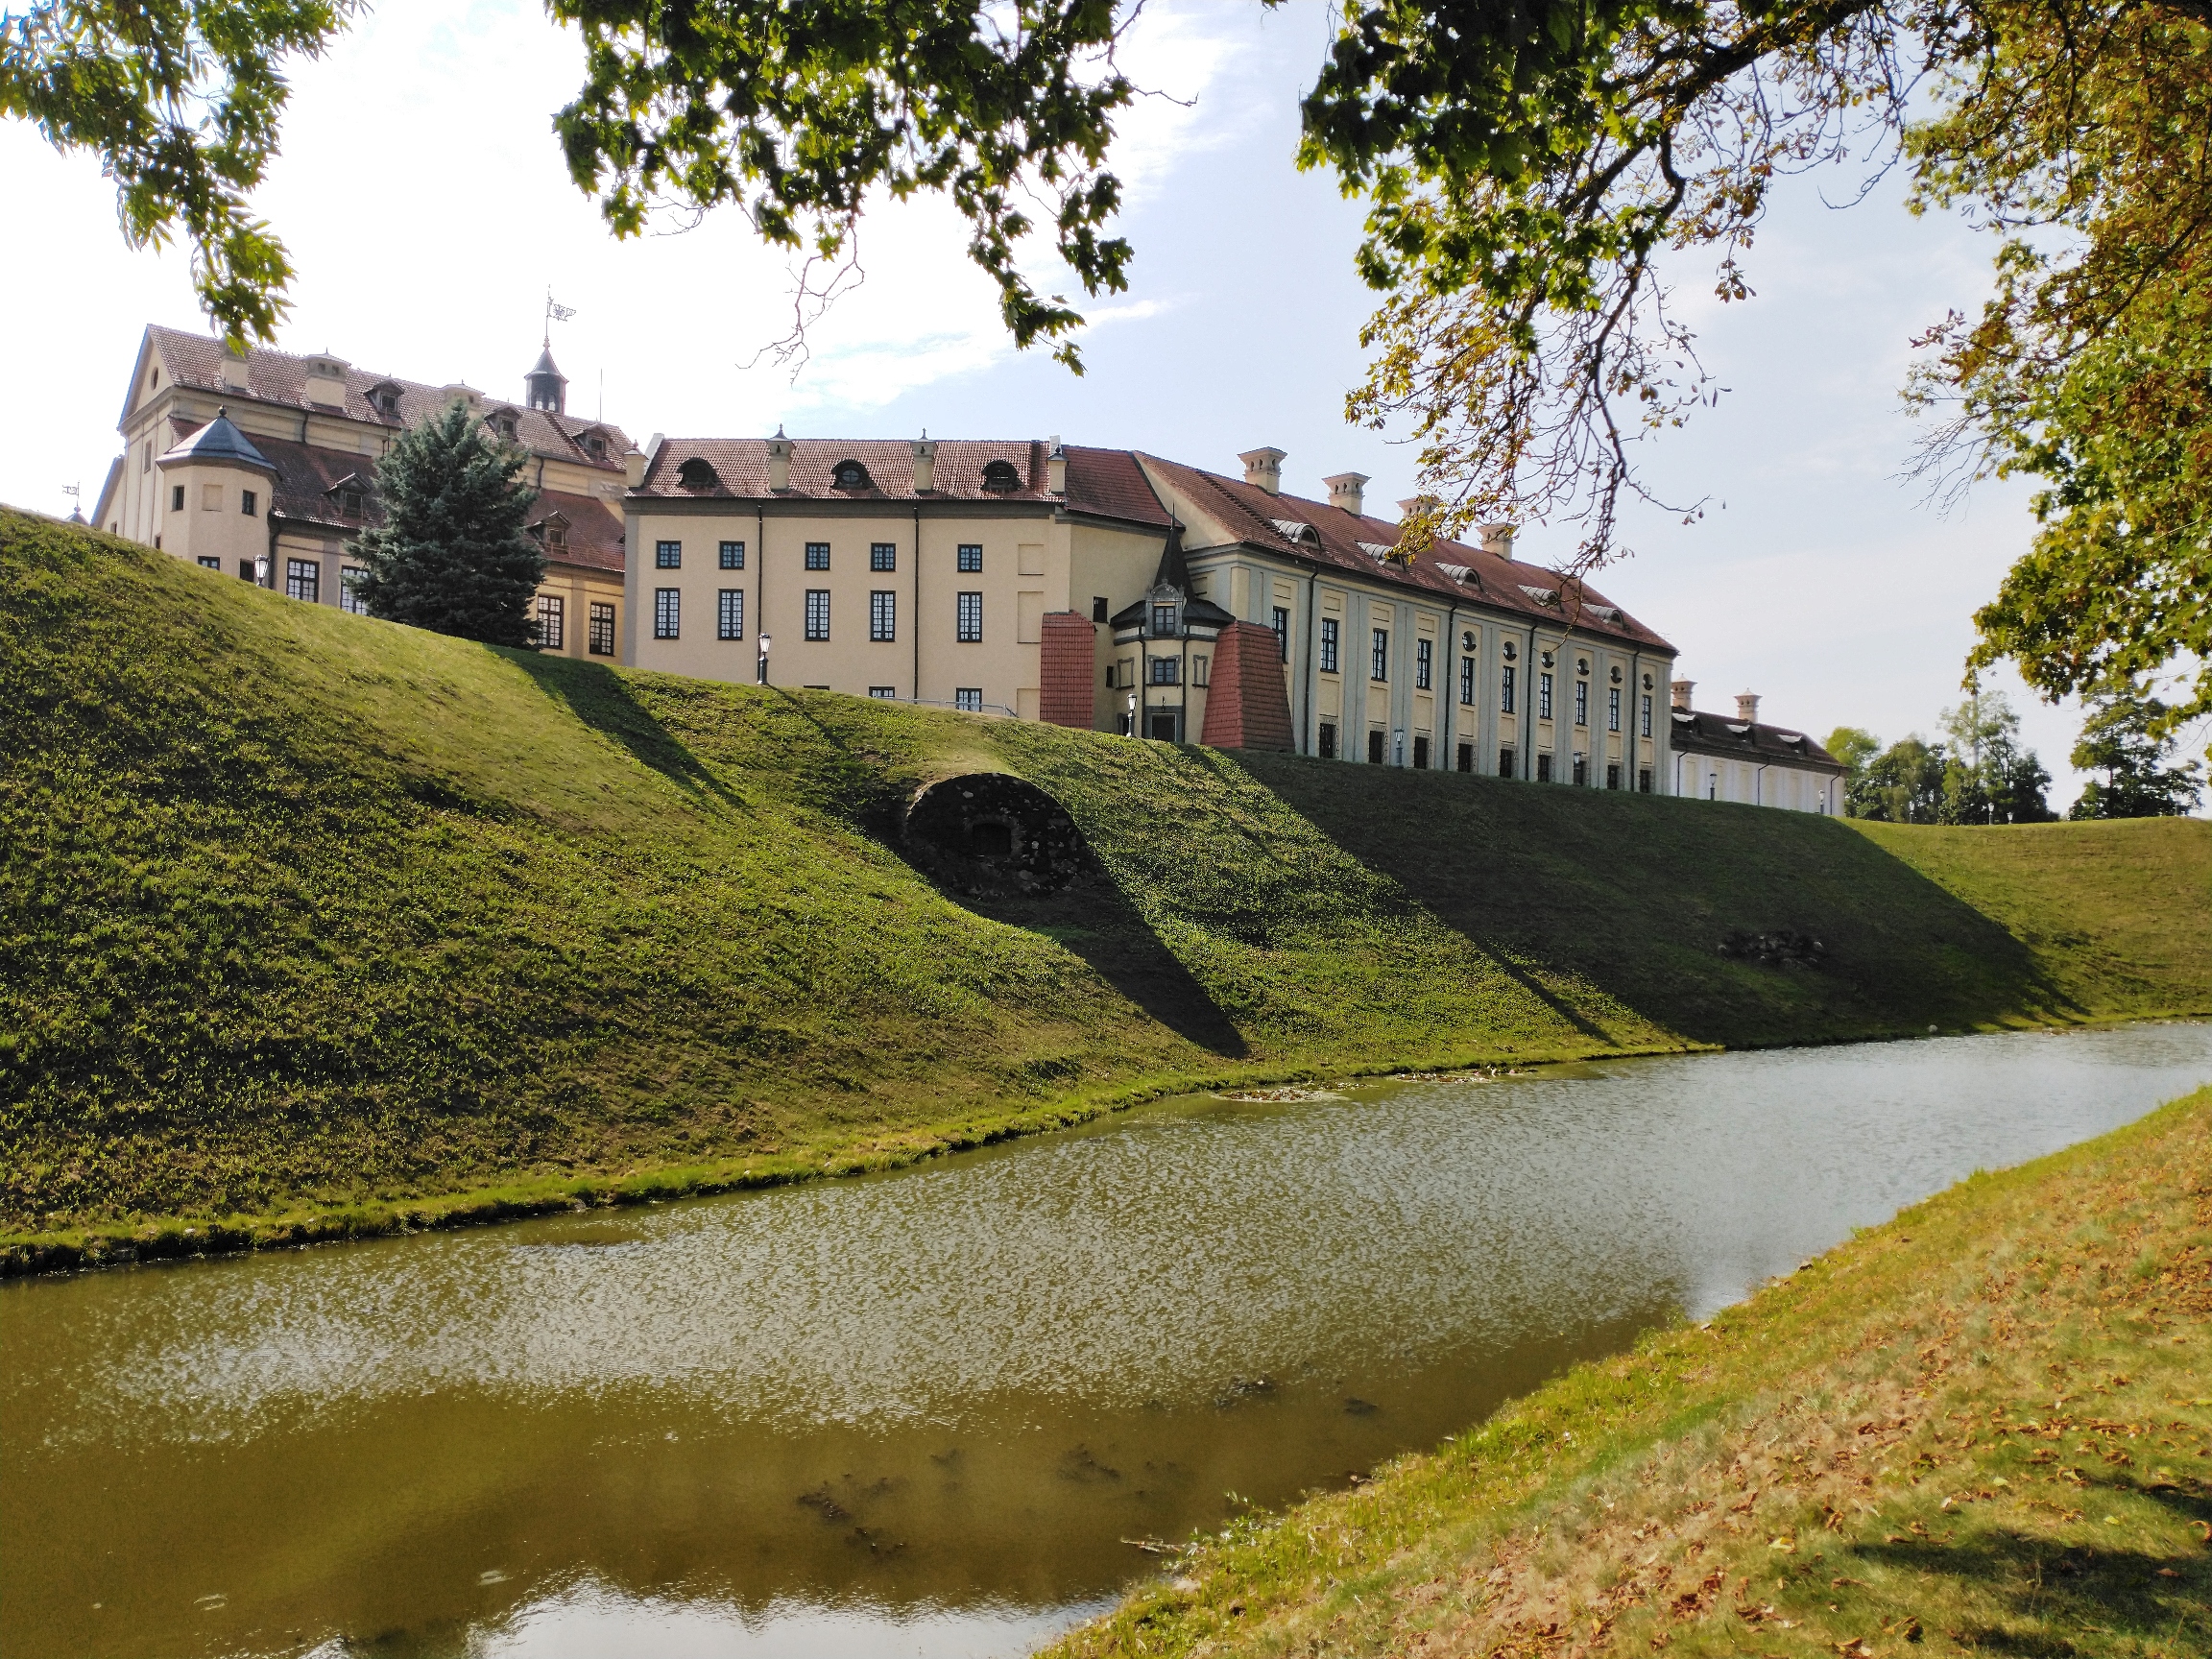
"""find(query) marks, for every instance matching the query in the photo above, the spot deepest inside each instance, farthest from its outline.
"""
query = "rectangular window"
(1581, 770)
(888, 693)
(600, 641)
(1467, 683)
(1543, 768)
(1544, 699)
(729, 613)
(211, 563)
(970, 698)
(1423, 654)
(1504, 762)
(817, 555)
(1644, 780)
(1326, 741)
(1612, 775)
(302, 578)
(1420, 753)
(1374, 748)
(1613, 709)
(248, 504)
(968, 619)
(667, 613)
(1282, 634)
(146, 459)
(1380, 667)
(177, 499)
(1198, 671)
(731, 555)
(1163, 619)
(883, 555)
(1506, 691)
(249, 570)
(1097, 608)
(1581, 702)
(1329, 645)
(668, 556)
(883, 616)
(1644, 718)
(972, 558)
(1165, 670)
(552, 622)
(1466, 757)
(817, 613)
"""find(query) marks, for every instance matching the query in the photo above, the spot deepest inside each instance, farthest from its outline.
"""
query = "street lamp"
(1133, 731)
(761, 663)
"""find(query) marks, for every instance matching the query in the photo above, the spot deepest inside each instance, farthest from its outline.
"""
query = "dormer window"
(852, 476)
(504, 423)
(384, 398)
(697, 473)
(350, 502)
(1000, 476)
(1163, 619)
(594, 444)
(556, 530)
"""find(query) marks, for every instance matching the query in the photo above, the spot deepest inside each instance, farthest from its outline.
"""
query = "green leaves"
(180, 101)
(795, 112)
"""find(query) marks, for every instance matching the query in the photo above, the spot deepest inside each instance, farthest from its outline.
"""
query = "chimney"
(1346, 492)
(1747, 707)
(633, 467)
(924, 463)
(780, 449)
(1681, 689)
(1055, 466)
(234, 366)
(326, 381)
(1264, 468)
(1498, 539)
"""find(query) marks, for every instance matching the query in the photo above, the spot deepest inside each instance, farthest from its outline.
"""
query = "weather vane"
(555, 312)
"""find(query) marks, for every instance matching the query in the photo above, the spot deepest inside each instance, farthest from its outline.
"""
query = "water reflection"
(926, 1412)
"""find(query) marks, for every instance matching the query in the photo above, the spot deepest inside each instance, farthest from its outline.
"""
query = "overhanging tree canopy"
(1530, 165)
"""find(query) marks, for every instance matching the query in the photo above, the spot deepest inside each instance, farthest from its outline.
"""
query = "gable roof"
(1318, 533)
(195, 363)
(1723, 734)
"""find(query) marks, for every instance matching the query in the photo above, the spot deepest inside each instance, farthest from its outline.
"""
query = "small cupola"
(218, 443)
(547, 388)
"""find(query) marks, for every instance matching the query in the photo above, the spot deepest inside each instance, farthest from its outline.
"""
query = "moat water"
(923, 1413)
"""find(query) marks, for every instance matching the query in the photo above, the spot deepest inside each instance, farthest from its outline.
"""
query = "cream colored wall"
(1784, 788)
(1116, 566)
(1025, 573)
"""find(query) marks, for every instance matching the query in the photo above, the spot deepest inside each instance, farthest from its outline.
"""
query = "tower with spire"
(549, 387)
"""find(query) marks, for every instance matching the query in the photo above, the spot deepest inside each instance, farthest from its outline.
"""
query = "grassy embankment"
(1985, 1427)
(311, 925)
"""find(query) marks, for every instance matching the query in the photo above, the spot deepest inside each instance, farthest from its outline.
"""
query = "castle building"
(1716, 759)
(1117, 591)
(264, 465)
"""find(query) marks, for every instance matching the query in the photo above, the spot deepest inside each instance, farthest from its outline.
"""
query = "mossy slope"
(302, 911)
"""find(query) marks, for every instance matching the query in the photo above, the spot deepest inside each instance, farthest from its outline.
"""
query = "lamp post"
(761, 663)
(1133, 731)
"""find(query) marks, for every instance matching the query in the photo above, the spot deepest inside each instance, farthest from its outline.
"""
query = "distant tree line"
(1977, 772)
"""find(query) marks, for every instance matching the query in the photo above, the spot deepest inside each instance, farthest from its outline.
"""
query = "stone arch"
(990, 834)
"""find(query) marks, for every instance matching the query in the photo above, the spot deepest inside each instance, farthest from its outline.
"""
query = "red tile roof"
(1104, 482)
(196, 361)
(1332, 538)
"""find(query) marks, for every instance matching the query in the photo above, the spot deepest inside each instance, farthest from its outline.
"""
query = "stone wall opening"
(986, 834)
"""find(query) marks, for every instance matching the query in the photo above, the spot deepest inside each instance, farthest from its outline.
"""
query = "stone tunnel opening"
(989, 834)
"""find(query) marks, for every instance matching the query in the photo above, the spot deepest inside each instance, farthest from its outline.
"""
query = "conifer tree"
(452, 555)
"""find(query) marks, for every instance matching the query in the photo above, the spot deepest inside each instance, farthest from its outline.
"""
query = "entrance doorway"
(1164, 725)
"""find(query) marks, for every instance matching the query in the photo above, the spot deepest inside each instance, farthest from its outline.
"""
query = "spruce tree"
(452, 555)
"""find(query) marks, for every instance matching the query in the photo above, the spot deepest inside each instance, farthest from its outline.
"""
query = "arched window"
(1000, 476)
(697, 475)
(852, 476)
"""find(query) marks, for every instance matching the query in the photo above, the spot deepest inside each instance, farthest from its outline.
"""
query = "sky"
(424, 201)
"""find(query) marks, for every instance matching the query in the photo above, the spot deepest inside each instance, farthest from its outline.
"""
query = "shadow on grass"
(2048, 1588)
(597, 696)
(1636, 895)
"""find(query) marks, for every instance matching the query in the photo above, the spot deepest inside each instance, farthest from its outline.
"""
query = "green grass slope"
(303, 914)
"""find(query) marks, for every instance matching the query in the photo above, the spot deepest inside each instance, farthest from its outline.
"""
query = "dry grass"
(1984, 1428)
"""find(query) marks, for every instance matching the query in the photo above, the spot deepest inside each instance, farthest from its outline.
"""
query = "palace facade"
(1119, 591)
(263, 467)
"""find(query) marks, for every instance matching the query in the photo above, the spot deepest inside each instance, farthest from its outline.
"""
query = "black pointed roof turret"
(1174, 569)
(218, 442)
(1195, 616)
(548, 387)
